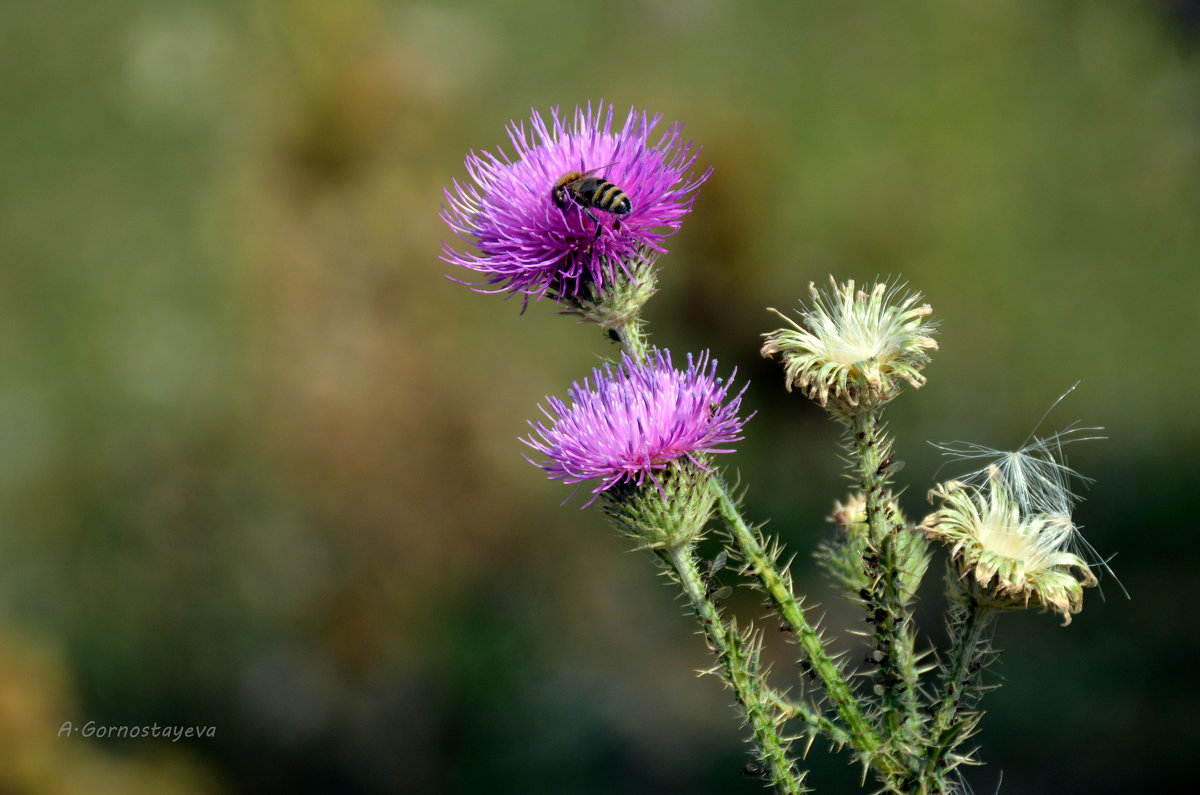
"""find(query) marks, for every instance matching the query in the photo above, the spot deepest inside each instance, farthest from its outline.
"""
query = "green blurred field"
(258, 457)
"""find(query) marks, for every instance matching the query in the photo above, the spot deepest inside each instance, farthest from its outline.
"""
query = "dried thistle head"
(853, 349)
(1016, 557)
(1023, 502)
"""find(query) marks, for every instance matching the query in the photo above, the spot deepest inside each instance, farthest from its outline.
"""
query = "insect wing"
(591, 171)
(586, 187)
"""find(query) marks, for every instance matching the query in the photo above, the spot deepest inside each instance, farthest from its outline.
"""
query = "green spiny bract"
(620, 301)
(668, 513)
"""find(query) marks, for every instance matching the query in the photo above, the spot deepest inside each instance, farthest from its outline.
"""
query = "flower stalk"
(776, 582)
(896, 675)
(738, 655)
(631, 336)
(969, 623)
(738, 658)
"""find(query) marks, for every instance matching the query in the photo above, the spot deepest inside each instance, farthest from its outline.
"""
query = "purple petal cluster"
(628, 421)
(526, 244)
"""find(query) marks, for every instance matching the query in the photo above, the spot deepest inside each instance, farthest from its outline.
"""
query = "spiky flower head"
(629, 423)
(853, 348)
(526, 243)
(1009, 523)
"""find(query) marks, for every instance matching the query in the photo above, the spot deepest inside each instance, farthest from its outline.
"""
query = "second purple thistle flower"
(630, 420)
(540, 223)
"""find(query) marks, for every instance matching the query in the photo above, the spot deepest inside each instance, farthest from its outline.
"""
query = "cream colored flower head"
(1009, 526)
(853, 348)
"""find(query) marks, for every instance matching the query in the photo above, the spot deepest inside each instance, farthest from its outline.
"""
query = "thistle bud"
(844, 557)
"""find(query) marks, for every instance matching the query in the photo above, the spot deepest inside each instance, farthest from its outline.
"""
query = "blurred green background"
(258, 457)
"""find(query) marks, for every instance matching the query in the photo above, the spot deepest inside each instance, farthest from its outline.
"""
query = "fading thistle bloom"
(1015, 559)
(1009, 526)
(526, 244)
(854, 347)
(627, 423)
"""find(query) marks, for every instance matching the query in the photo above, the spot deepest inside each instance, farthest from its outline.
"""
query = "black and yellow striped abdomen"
(589, 192)
(607, 196)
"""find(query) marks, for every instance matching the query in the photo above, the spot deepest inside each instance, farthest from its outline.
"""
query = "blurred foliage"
(258, 466)
(40, 731)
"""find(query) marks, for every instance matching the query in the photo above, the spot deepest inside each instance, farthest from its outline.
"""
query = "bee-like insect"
(591, 192)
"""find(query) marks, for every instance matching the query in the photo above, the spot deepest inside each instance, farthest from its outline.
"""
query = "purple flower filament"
(526, 243)
(628, 421)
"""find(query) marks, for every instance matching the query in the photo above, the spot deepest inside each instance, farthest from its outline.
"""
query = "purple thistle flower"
(628, 421)
(526, 243)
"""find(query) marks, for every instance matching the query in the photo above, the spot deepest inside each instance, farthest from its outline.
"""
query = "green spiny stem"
(739, 665)
(969, 625)
(632, 337)
(816, 723)
(895, 652)
(860, 733)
